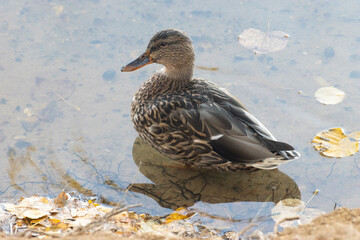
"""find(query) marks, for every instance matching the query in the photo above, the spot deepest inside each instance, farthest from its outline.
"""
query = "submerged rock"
(109, 75)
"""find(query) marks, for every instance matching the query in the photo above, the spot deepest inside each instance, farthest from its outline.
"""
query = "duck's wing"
(238, 136)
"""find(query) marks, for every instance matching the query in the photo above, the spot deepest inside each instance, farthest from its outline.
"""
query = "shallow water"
(64, 104)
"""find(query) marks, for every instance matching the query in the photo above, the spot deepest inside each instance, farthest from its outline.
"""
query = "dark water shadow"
(173, 186)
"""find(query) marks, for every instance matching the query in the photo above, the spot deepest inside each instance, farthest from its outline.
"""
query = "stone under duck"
(194, 121)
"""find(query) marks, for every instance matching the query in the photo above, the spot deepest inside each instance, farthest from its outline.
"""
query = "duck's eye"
(163, 44)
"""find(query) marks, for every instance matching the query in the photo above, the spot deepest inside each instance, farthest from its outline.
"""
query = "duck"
(193, 121)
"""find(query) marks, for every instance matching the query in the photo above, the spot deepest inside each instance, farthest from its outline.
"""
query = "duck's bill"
(141, 61)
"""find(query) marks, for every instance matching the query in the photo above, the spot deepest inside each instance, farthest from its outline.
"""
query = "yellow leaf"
(44, 200)
(54, 221)
(334, 143)
(179, 214)
(91, 203)
(56, 224)
(37, 222)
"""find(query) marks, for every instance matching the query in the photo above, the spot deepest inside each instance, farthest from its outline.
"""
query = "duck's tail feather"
(279, 158)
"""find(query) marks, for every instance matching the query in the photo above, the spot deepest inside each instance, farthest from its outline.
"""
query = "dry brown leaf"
(61, 199)
(81, 215)
(334, 143)
(61, 213)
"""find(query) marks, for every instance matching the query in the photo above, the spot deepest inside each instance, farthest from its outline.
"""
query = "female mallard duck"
(194, 121)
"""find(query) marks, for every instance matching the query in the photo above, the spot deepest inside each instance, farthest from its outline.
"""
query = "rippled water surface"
(64, 104)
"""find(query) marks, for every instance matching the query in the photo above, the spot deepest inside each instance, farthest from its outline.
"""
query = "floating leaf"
(58, 10)
(287, 208)
(329, 95)
(321, 81)
(334, 143)
(179, 214)
(261, 43)
(291, 209)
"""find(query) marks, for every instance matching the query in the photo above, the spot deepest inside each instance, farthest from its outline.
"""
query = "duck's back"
(202, 125)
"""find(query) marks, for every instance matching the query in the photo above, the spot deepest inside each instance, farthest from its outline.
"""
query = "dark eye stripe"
(157, 47)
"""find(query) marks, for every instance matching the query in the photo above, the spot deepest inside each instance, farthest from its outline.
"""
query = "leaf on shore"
(179, 214)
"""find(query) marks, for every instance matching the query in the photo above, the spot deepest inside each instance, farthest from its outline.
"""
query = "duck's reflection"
(174, 187)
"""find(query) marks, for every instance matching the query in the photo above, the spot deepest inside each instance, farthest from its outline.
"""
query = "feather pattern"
(202, 125)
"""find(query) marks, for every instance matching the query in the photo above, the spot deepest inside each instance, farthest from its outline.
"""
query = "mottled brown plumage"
(192, 120)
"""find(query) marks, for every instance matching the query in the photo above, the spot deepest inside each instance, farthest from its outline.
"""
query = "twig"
(119, 210)
(230, 218)
(261, 208)
(207, 68)
(244, 230)
(63, 99)
(316, 192)
(284, 220)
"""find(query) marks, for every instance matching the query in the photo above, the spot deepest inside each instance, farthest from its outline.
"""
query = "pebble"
(50, 112)
(354, 74)
(328, 53)
(109, 75)
(355, 57)
(2, 136)
(22, 144)
(29, 123)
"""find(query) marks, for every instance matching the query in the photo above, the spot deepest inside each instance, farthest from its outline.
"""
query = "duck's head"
(171, 48)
